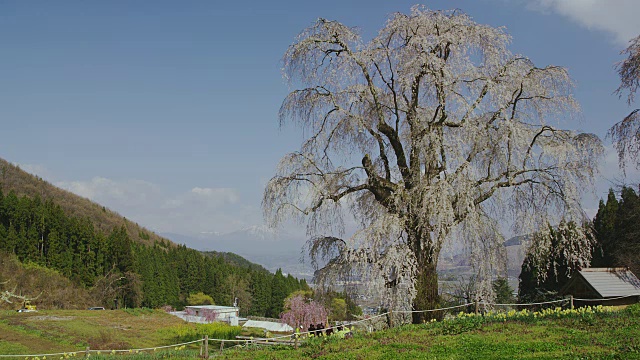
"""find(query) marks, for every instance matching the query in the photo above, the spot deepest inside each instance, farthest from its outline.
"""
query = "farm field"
(556, 335)
(73, 330)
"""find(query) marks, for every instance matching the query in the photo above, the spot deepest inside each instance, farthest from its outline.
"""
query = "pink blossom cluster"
(302, 312)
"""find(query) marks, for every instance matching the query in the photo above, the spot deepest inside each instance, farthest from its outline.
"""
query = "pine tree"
(627, 225)
(278, 294)
(605, 232)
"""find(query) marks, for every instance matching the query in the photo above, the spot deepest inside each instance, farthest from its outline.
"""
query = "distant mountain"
(235, 259)
(259, 244)
(254, 240)
(457, 264)
(517, 240)
(275, 250)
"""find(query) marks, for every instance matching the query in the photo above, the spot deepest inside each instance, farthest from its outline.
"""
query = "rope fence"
(292, 339)
(89, 351)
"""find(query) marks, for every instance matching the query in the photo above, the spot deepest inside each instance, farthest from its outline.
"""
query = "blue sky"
(166, 111)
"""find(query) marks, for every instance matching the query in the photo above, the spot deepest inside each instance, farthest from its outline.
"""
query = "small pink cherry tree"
(301, 312)
(209, 315)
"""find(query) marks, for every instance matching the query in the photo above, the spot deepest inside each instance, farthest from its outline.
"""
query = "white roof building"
(615, 286)
(204, 314)
(268, 325)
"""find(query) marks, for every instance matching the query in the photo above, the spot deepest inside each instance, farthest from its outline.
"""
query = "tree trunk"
(427, 297)
(426, 278)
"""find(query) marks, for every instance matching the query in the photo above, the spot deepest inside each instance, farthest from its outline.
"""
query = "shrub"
(464, 322)
(200, 299)
(216, 330)
(633, 310)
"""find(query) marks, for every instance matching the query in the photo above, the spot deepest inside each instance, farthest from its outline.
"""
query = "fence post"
(390, 318)
(221, 345)
(476, 303)
(206, 346)
(86, 353)
(571, 301)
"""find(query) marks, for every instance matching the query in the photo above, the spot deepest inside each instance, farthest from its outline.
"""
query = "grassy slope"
(601, 336)
(74, 330)
(605, 336)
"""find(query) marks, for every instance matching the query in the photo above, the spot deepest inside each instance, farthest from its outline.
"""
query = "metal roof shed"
(268, 325)
(606, 286)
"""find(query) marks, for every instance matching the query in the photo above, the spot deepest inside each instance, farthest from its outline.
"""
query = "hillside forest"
(109, 269)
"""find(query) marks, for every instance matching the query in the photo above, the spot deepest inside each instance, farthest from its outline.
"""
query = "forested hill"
(235, 259)
(109, 263)
(25, 184)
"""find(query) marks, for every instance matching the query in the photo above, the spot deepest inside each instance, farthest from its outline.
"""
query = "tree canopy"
(430, 131)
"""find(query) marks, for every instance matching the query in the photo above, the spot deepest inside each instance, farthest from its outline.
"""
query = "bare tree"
(626, 133)
(431, 131)
(9, 296)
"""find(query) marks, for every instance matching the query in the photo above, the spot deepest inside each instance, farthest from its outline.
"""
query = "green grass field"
(72, 330)
(552, 335)
(69, 331)
(597, 334)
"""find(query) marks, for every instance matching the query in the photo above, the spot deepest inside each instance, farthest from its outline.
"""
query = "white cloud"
(224, 195)
(621, 18)
(201, 209)
(128, 193)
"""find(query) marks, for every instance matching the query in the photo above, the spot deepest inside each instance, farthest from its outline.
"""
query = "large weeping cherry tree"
(626, 133)
(429, 133)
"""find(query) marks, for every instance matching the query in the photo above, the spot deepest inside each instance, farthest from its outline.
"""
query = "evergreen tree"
(12, 239)
(279, 292)
(604, 229)
(120, 255)
(504, 292)
(617, 230)
(3, 237)
(260, 288)
(626, 251)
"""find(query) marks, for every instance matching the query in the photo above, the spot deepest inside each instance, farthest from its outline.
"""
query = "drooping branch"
(629, 70)
(431, 132)
(9, 296)
(626, 133)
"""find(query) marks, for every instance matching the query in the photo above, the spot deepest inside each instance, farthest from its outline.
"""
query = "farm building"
(271, 326)
(603, 286)
(209, 313)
